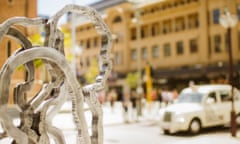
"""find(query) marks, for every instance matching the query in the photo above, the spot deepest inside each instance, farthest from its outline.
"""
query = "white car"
(198, 107)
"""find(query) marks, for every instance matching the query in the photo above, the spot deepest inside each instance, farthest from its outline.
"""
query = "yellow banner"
(148, 83)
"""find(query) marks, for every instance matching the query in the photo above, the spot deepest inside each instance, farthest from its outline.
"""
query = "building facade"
(11, 8)
(182, 40)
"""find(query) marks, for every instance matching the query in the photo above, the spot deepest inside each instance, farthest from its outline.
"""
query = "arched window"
(9, 48)
(10, 1)
(117, 19)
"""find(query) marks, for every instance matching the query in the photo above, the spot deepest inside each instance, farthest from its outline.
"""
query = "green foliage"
(36, 39)
(132, 79)
(37, 63)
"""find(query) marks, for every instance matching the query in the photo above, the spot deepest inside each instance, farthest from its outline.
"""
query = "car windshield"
(190, 97)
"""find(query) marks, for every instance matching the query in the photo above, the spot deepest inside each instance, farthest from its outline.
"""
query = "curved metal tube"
(53, 56)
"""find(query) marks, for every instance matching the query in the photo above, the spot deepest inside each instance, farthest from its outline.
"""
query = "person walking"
(112, 97)
(159, 97)
(125, 105)
(133, 99)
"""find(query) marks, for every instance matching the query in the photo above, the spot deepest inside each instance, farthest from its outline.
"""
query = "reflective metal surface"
(37, 113)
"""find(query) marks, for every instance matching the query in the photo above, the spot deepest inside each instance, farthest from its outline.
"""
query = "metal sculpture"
(36, 114)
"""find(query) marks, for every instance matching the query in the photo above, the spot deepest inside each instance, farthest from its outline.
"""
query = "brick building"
(11, 8)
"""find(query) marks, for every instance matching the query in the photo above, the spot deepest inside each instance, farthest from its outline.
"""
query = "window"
(117, 58)
(144, 53)
(179, 24)
(10, 1)
(133, 34)
(155, 51)
(209, 46)
(225, 96)
(217, 44)
(155, 29)
(117, 19)
(193, 46)
(88, 44)
(238, 11)
(95, 42)
(179, 47)
(167, 50)
(196, 22)
(216, 15)
(142, 33)
(144, 30)
(9, 48)
(193, 21)
(134, 54)
(213, 96)
(167, 26)
(88, 61)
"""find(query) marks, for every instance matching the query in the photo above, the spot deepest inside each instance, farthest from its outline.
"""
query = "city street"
(145, 131)
(148, 132)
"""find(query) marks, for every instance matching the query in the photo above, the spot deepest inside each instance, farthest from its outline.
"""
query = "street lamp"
(137, 14)
(228, 21)
(136, 3)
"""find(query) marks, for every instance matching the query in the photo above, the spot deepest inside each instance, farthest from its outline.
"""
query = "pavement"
(115, 116)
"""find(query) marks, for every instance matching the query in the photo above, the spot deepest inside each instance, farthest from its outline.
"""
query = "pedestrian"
(112, 97)
(159, 97)
(133, 99)
(165, 97)
(125, 104)
(175, 94)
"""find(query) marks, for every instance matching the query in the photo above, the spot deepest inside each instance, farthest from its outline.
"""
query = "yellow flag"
(148, 83)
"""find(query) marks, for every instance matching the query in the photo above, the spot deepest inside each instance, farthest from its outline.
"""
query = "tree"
(132, 79)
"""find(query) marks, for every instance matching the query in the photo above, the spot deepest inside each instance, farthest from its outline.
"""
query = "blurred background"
(157, 45)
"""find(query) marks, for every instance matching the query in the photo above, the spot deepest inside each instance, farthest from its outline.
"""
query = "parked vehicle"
(200, 106)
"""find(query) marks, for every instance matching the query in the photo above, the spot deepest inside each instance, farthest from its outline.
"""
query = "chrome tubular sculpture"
(36, 114)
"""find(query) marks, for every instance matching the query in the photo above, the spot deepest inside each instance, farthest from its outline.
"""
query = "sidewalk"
(210, 140)
(114, 116)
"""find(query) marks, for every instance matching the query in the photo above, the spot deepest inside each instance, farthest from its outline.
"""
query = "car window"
(213, 96)
(194, 97)
(225, 96)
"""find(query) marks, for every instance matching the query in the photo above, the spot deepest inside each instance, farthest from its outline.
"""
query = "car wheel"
(166, 132)
(195, 126)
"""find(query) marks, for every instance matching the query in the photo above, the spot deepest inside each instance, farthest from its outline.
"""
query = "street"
(145, 131)
(148, 132)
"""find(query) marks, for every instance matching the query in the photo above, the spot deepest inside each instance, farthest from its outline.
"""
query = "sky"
(47, 8)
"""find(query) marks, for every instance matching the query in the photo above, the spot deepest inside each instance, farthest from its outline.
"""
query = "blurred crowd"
(132, 101)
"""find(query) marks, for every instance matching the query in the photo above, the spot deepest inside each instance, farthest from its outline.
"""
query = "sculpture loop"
(37, 111)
